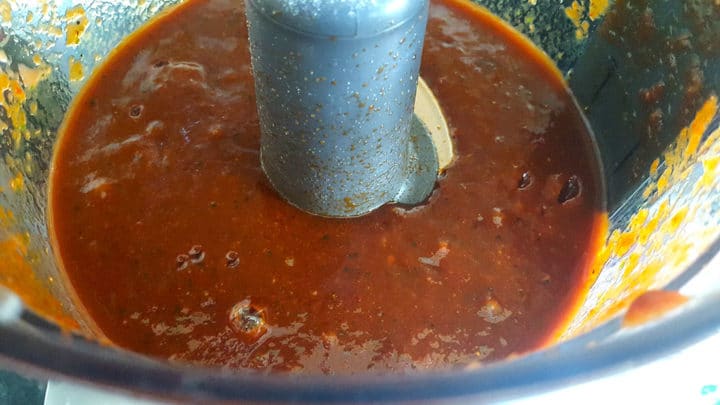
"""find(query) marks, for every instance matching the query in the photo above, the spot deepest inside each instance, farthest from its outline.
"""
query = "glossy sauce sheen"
(160, 154)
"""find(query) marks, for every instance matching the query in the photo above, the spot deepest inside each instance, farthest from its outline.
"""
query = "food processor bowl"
(645, 73)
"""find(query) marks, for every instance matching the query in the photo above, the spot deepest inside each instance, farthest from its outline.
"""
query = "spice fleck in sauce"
(178, 247)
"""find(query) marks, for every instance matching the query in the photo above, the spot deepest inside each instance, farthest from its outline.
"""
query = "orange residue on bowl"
(17, 259)
(580, 13)
(5, 11)
(675, 221)
(77, 22)
(576, 14)
(699, 125)
(75, 70)
(598, 8)
(13, 102)
(17, 183)
(654, 167)
(14, 124)
(639, 219)
(16, 273)
(648, 251)
(652, 305)
(631, 263)
(686, 147)
(6, 217)
(623, 242)
(45, 7)
(710, 172)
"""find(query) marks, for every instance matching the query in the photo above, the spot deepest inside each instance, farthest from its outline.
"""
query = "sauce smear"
(179, 249)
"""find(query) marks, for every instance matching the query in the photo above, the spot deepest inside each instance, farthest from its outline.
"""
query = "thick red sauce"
(169, 231)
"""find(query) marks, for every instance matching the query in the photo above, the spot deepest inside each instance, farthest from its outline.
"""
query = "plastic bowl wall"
(645, 74)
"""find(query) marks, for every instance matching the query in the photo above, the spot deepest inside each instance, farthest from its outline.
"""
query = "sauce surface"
(178, 247)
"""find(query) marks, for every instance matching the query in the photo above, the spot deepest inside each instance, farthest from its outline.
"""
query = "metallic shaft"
(336, 83)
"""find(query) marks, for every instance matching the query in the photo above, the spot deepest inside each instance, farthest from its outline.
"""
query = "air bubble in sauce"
(571, 190)
(136, 111)
(525, 181)
(197, 254)
(182, 262)
(247, 319)
(232, 259)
